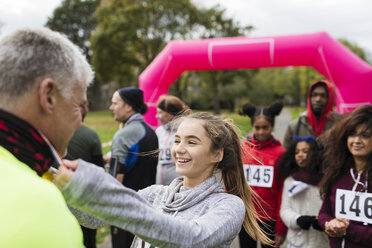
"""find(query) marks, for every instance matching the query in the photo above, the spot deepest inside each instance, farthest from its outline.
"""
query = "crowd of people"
(191, 183)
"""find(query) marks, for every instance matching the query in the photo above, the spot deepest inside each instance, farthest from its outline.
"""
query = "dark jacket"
(358, 235)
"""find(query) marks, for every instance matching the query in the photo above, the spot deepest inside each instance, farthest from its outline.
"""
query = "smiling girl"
(347, 184)
(193, 211)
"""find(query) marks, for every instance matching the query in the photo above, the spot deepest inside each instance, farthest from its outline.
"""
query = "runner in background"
(131, 161)
(319, 116)
(346, 187)
(301, 167)
(260, 153)
(85, 144)
(168, 108)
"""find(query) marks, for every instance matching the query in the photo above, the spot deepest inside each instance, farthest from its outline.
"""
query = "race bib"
(259, 175)
(354, 205)
(165, 156)
(296, 187)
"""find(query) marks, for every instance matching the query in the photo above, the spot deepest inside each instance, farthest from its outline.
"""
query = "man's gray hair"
(27, 56)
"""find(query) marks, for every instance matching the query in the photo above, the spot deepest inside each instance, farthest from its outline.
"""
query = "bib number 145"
(259, 175)
(353, 205)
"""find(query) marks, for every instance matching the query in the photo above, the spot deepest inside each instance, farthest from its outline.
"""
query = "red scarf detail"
(25, 143)
(318, 124)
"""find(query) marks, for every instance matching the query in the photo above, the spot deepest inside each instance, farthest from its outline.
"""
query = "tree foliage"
(76, 19)
(131, 33)
(355, 49)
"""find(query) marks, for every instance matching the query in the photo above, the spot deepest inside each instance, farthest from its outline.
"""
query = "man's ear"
(129, 108)
(47, 95)
(219, 155)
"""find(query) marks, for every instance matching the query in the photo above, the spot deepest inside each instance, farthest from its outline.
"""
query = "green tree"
(131, 33)
(76, 19)
(214, 25)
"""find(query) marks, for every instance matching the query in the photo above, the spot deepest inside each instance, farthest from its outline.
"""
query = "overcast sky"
(350, 19)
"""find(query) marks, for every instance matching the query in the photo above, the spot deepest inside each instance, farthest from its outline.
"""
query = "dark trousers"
(247, 242)
(121, 238)
(89, 237)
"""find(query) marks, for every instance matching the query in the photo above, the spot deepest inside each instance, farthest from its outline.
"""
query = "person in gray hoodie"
(193, 211)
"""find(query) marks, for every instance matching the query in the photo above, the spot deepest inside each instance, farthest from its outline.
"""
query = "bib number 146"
(353, 205)
(259, 175)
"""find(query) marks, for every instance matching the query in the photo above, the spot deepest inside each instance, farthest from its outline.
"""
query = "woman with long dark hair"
(347, 183)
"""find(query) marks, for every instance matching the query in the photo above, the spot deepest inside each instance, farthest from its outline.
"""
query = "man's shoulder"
(26, 186)
(29, 194)
(302, 118)
(85, 132)
(335, 116)
(133, 127)
(24, 181)
(130, 133)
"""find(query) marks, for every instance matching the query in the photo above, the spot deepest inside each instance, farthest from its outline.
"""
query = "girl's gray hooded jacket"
(164, 216)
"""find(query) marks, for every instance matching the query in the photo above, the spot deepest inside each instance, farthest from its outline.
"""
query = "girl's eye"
(366, 135)
(192, 142)
(176, 141)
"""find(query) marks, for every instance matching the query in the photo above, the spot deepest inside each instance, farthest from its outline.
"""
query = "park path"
(281, 123)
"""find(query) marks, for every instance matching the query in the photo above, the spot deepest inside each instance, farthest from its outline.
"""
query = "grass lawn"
(104, 124)
(295, 111)
(243, 123)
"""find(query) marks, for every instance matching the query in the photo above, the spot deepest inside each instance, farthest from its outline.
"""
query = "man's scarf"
(25, 143)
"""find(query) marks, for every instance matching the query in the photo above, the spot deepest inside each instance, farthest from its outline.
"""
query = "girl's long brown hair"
(337, 155)
(223, 135)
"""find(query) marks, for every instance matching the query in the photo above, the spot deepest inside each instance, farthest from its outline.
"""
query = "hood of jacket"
(318, 124)
(179, 197)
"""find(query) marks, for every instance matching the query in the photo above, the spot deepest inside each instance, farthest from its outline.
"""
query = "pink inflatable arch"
(351, 75)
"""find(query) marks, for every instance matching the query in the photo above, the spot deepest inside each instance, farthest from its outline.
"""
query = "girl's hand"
(65, 173)
(337, 227)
